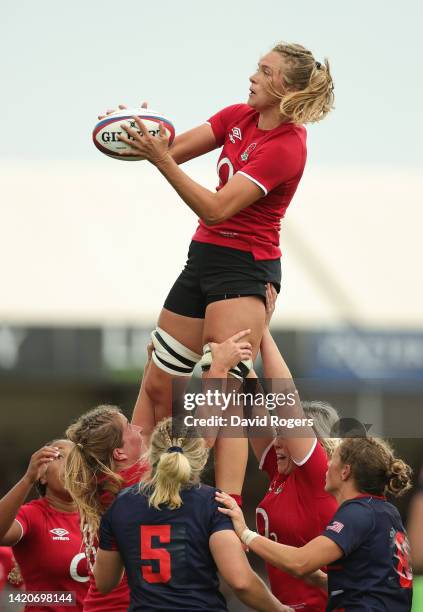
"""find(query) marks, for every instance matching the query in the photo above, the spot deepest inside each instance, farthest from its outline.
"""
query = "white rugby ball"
(107, 130)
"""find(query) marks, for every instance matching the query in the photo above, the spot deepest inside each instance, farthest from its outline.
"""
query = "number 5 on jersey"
(162, 552)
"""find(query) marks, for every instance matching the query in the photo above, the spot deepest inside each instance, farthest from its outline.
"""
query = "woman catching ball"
(235, 250)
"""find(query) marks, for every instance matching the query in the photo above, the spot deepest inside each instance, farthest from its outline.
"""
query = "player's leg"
(235, 286)
(223, 319)
(154, 401)
(177, 342)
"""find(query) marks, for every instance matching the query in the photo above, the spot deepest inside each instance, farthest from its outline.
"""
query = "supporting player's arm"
(260, 443)
(227, 354)
(212, 207)
(108, 570)
(276, 369)
(137, 412)
(10, 530)
(233, 566)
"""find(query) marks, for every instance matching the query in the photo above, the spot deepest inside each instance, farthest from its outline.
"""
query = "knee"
(172, 357)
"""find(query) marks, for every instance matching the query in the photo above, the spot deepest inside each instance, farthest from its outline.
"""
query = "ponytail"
(307, 88)
(175, 463)
(89, 470)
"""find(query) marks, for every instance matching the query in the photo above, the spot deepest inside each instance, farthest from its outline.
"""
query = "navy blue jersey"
(374, 572)
(166, 552)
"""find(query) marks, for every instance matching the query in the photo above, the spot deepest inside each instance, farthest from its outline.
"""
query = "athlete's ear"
(346, 472)
(119, 455)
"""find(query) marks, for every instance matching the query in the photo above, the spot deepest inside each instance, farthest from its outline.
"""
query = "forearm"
(199, 199)
(258, 597)
(287, 558)
(260, 436)
(193, 143)
(280, 379)
(274, 365)
(318, 579)
(10, 504)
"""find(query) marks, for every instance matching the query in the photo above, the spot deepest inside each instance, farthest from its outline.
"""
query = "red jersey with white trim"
(50, 554)
(272, 159)
(118, 599)
(295, 510)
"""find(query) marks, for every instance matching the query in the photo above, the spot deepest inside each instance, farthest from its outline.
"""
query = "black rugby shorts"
(214, 273)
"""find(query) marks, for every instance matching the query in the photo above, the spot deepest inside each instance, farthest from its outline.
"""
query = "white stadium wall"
(101, 243)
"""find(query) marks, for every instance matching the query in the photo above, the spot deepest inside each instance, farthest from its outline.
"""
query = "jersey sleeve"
(107, 539)
(218, 521)
(26, 517)
(268, 462)
(219, 122)
(273, 164)
(312, 469)
(350, 526)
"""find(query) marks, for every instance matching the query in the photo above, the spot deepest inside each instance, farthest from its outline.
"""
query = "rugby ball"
(107, 130)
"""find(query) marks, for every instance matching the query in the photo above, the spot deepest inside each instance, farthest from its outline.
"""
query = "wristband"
(248, 536)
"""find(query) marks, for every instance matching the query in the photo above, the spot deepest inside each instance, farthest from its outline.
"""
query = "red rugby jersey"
(118, 599)
(295, 510)
(274, 160)
(50, 553)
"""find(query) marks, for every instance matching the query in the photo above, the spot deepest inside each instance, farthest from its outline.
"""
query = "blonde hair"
(170, 471)
(324, 418)
(89, 468)
(307, 86)
(374, 467)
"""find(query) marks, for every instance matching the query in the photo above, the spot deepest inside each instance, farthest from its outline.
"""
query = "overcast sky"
(63, 62)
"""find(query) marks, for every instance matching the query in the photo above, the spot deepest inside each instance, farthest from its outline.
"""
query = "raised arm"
(276, 369)
(259, 443)
(212, 207)
(193, 143)
(10, 530)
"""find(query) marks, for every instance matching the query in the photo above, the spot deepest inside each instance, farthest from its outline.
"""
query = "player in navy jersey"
(235, 250)
(44, 533)
(170, 538)
(365, 547)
